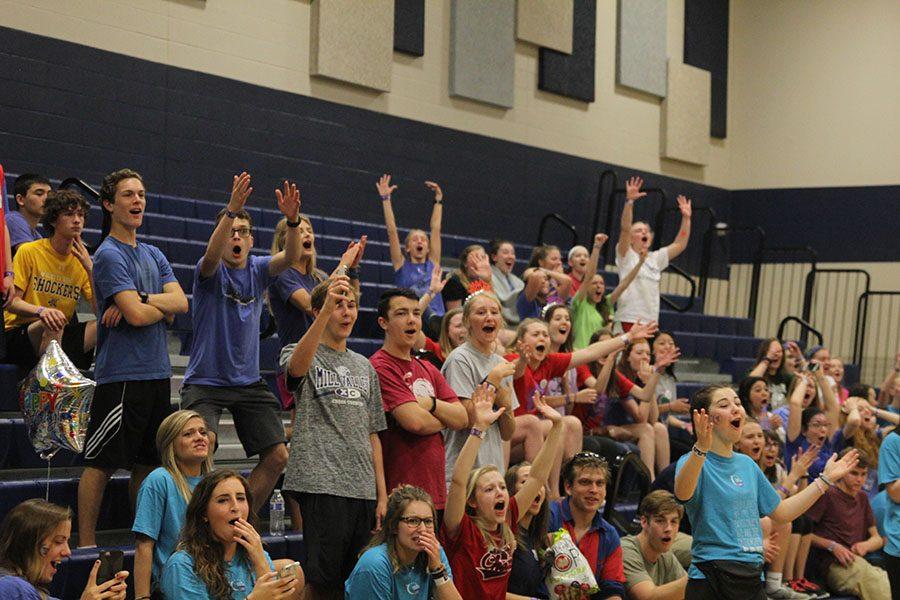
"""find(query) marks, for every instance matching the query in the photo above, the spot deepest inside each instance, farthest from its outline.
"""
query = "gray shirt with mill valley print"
(338, 406)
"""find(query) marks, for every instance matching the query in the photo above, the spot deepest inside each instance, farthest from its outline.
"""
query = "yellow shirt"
(48, 279)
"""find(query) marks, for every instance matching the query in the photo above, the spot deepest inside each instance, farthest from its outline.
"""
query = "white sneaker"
(786, 593)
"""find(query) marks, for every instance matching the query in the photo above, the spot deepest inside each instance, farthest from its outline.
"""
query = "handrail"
(862, 317)
(79, 183)
(610, 207)
(717, 230)
(690, 303)
(806, 327)
(556, 217)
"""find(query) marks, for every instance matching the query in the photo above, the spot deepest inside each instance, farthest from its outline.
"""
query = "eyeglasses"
(243, 232)
(416, 521)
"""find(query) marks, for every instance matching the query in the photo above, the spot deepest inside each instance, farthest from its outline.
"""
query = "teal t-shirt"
(160, 515)
(180, 581)
(731, 496)
(374, 578)
(889, 471)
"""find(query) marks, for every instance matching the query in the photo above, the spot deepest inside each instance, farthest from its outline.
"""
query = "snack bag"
(570, 573)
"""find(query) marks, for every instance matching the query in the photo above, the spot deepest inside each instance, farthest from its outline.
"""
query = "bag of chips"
(570, 572)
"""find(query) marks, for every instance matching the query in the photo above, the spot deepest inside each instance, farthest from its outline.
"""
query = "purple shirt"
(417, 277)
(290, 321)
(19, 230)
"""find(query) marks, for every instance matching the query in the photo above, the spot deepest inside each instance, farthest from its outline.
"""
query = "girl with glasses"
(404, 559)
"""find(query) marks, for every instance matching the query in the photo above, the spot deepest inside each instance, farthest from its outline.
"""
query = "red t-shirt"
(591, 415)
(479, 573)
(555, 365)
(410, 458)
(576, 283)
(435, 349)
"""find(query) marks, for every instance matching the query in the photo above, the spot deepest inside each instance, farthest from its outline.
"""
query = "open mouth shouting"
(539, 349)
(755, 452)
(736, 423)
(500, 508)
(236, 251)
(410, 331)
(307, 244)
(489, 329)
(233, 521)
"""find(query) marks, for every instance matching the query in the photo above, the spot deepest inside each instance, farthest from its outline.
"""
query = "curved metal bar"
(690, 303)
(806, 326)
(559, 219)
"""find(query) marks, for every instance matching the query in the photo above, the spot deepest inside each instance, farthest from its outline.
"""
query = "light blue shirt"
(373, 578)
(160, 514)
(889, 471)
(731, 496)
(180, 581)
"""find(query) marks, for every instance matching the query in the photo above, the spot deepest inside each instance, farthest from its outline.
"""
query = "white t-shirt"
(640, 300)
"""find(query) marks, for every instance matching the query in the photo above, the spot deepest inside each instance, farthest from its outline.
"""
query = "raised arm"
(484, 416)
(437, 212)
(540, 470)
(632, 193)
(795, 409)
(684, 232)
(624, 283)
(385, 189)
(832, 408)
(289, 205)
(303, 353)
(602, 348)
(650, 375)
(435, 287)
(503, 398)
(215, 247)
(591, 268)
(686, 479)
(835, 469)
(851, 409)
(884, 394)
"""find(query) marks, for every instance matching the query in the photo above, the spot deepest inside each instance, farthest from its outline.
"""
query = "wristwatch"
(144, 296)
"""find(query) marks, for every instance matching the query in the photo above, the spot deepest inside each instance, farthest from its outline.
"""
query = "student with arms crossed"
(725, 493)
(418, 402)
(652, 571)
(137, 295)
(335, 470)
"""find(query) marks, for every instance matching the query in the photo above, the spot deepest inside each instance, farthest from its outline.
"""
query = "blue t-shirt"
(528, 309)
(126, 353)
(290, 321)
(20, 231)
(226, 310)
(180, 581)
(731, 496)
(417, 277)
(801, 444)
(888, 472)
(160, 514)
(16, 588)
(373, 578)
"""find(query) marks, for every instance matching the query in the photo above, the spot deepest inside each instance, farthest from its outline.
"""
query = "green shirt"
(665, 570)
(586, 320)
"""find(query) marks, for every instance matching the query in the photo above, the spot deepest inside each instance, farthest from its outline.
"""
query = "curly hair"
(59, 202)
(197, 539)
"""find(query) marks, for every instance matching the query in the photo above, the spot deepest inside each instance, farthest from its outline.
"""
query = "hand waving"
(835, 468)
(240, 191)
(633, 189)
(438, 281)
(384, 187)
(643, 330)
(600, 239)
(684, 205)
(703, 430)
(483, 404)
(338, 290)
(438, 194)
(544, 409)
(289, 201)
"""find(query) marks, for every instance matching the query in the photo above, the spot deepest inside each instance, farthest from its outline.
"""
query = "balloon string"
(47, 492)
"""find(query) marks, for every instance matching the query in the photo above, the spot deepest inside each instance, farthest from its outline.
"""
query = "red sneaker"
(813, 588)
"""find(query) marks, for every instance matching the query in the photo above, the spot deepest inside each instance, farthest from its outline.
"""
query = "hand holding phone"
(110, 564)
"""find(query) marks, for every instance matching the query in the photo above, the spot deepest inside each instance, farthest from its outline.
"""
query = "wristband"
(293, 224)
(820, 485)
(433, 404)
(8, 274)
(438, 201)
(230, 215)
(784, 489)
(485, 380)
(625, 339)
(477, 433)
(386, 198)
(831, 546)
(698, 451)
(825, 480)
(353, 272)
(39, 311)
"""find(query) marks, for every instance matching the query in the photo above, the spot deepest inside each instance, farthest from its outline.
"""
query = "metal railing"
(730, 268)
(691, 295)
(831, 301)
(559, 219)
(805, 329)
(874, 353)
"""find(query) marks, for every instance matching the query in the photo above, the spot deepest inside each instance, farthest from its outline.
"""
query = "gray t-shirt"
(464, 369)
(665, 570)
(338, 406)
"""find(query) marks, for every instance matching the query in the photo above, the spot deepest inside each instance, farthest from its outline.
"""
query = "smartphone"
(289, 570)
(110, 564)
(813, 367)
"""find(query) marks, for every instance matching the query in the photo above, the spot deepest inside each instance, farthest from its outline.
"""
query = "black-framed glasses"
(243, 232)
(416, 521)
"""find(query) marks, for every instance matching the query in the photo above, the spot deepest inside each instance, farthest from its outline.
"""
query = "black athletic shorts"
(335, 529)
(20, 352)
(125, 416)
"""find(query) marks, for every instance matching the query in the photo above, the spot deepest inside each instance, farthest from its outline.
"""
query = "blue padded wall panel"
(706, 47)
(572, 75)
(409, 26)
(483, 50)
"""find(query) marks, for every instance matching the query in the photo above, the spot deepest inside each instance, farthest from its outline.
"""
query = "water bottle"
(276, 513)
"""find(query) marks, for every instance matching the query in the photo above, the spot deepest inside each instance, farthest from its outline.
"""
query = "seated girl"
(754, 394)
(219, 554)
(184, 452)
(532, 540)
(404, 559)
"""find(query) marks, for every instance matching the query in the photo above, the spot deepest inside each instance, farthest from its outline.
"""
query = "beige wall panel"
(546, 23)
(353, 41)
(685, 114)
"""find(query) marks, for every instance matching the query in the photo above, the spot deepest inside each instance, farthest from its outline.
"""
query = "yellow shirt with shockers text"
(47, 279)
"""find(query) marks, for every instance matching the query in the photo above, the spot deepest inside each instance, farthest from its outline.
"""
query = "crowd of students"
(440, 466)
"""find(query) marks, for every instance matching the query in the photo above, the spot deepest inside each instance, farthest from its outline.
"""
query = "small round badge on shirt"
(736, 480)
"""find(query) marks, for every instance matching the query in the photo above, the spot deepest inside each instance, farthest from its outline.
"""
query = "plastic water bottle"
(276, 513)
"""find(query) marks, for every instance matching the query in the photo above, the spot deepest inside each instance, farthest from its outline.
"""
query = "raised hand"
(240, 191)
(483, 407)
(645, 372)
(643, 330)
(500, 372)
(438, 281)
(545, 409)
(360, 249)
(666, 357)
(81, 253)
(703, 430)
(338, 290)
(350, 254)
(684, 205)
(600, 239)
(289, 201)
(835, 468)
(803, 460)
(438, 194)
(633, 189)
(384, 187)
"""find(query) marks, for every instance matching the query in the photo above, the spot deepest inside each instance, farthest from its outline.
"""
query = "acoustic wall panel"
(545, 23)
(641, 46)
(706, 47)
(573, 74)
(482, 50)
(409, 26)
(685, 114)
(352, 41)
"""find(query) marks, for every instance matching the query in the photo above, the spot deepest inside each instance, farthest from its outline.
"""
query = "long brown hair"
(197, 540)
(278, 241)
(444, 339)
(22, 532)
(401, 496)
